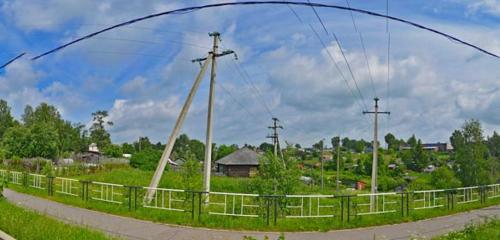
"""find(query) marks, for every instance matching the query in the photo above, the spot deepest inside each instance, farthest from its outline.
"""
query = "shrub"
(146, 160)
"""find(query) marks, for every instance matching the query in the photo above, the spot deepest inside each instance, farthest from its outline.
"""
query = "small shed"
(243, 162)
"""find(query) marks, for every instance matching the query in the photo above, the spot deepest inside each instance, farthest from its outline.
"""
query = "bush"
(112, 150)
(146, 160)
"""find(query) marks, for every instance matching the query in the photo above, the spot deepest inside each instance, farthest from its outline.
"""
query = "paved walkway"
(130, 228)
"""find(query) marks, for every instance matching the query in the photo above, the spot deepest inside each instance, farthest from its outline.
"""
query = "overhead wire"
(328, 53)
(243, 3)
(361, 40)
(342, 53)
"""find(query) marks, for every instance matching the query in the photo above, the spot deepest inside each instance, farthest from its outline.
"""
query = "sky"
(141, 74)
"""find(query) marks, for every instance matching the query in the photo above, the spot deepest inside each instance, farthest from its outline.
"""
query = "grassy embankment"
(27, 225)
(487, 231)
(173, 180)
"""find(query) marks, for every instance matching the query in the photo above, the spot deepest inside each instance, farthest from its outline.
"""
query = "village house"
(243, 162)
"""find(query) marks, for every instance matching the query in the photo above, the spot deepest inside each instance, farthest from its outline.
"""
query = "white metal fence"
(166, 199)
(107, 192)
(66, 186)
(384, 203)
(234, 204)
(493, 191)
(310, 206)
(37, 181)
(16, 177)
(467, 195)
(428, 199)
(3, 174)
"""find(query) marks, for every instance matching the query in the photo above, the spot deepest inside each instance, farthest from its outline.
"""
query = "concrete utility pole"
(171, 140)
(207, 166)
(375, 153)
(322, 162)
(275, 136)
(338, 166)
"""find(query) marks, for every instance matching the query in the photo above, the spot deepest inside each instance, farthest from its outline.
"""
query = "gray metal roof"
(243, 156)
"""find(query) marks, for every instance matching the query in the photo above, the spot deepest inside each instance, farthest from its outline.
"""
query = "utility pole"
(375, 154)
(322, 162)
(275, 136)
(338, 166)
(207, 166)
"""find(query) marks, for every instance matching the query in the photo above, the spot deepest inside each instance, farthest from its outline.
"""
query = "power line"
(12, 60)
(245, 3)
(343, 55)
(361, 40)
(328, 53)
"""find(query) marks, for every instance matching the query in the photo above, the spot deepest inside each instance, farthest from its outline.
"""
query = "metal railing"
(255, 205)
(166, 199)
(233, 204)
(467, 194)
(425, 199)
(310, 206)
(16, 177)
(37, 180)
(493, 190)
(66, 186)
(107, 192)
(384, 203)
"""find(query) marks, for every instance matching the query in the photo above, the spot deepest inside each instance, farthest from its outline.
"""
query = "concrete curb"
(5, 236)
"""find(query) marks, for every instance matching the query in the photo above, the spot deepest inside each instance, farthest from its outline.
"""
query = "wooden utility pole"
(207, 166)
(374, 183)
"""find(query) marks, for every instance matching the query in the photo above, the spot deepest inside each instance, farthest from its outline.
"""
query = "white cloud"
(487, 6)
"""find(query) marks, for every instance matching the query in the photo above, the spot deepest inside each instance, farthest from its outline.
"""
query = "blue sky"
(141, 73)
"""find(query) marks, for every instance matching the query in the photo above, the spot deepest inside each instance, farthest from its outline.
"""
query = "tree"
(335, 142)
(416, 158)
(128, 148)
(191, 172)
(274, 177)
(412, 141)
(16, 142)
(28, 115)
(471, 154)
(266, 147)
(319, 145)
(98, 133)
(224, 150)
(444, 178)
(113, 150)
(494, 144)
(6, 119)
(43, 141)
(146, 160)
(392, 142)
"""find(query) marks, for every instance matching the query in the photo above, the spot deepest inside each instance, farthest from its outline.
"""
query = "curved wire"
(195, 8)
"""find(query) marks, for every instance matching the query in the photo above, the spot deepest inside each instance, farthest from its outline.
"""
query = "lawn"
(26, 225)
(486, 231)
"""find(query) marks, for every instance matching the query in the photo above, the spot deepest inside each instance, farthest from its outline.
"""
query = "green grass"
(486, 231)
(245, 223)
(26, 225)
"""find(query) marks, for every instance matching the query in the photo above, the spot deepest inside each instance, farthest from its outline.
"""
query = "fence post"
(342, 208)
(192, 205)
(199, 205)
(25, 179)
(348, 208)
(50, 185)
(268, 206)
(407, 204)
(402, 204)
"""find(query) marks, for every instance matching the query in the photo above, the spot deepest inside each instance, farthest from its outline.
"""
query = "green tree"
(191, 172)
(444, 178)
(471, 154)
(266, 147)
(28, 115)
(6, 119)
(128, 148)
(113, 150)
(146, 160)
(274, 177)
(98, 133)
(224, 150)
(494, 144)
(43, 141)
(392, 142)
(16, 142)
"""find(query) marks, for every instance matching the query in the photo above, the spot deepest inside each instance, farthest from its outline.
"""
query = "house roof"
(243, 156)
